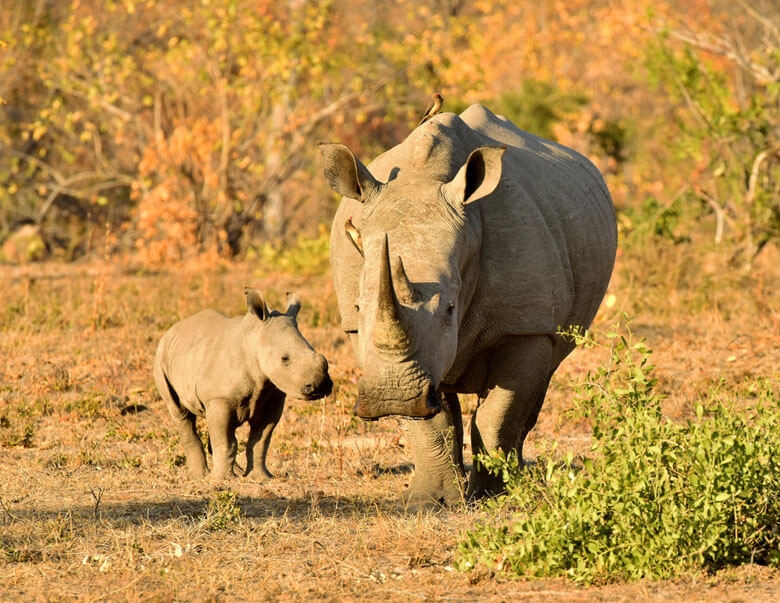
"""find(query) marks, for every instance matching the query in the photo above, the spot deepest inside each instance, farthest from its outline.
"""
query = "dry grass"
(96, 506)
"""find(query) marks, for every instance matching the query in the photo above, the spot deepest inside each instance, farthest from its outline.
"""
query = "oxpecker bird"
(433, 108)
(354, 235)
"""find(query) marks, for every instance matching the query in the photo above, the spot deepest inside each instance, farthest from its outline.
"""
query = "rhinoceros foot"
(484, 485)
(427, 493)
(259, 475)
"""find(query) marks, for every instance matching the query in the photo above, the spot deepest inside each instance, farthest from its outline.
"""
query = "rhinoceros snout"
(420, 405)
(313, 391)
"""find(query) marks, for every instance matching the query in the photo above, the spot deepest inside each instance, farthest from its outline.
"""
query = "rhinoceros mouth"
(323, 389)
(420, 405)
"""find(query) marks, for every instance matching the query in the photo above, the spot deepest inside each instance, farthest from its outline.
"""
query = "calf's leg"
(261, 427)
(185, 424)
(221, 420)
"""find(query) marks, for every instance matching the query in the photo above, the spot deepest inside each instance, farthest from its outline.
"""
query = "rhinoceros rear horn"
(390, 330)
(345, 173)
(407, 292)
(478, 177)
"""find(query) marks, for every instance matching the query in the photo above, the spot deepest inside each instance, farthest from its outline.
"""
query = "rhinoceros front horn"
(390, 330)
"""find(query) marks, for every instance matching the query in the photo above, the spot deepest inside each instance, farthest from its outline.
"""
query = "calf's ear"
(345, 173)
(256, 304)
(477, 178)
(293, 305)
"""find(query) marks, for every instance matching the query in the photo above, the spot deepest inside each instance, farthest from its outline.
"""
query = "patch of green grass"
(16, 433)
(653, 499)
(13, 554)
(223, 512)
(56, 462)
(91, 406)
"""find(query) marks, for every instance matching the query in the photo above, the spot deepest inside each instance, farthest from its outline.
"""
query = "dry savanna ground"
(96, 505)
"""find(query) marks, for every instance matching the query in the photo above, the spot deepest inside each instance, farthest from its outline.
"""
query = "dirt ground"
(96, 505)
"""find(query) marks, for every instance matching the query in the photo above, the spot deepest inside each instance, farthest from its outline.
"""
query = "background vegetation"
(156, 157)
(181, 129)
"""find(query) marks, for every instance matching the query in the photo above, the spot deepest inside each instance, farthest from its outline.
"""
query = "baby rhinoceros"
(233, 370)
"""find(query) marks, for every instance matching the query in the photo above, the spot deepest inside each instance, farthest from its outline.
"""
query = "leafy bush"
(654, 498)
(729, 127)
(537, 106)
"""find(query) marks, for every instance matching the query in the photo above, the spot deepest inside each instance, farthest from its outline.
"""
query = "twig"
(767, 23)
(97, 494)
(721, 216)
(11, 516)
(753, 181)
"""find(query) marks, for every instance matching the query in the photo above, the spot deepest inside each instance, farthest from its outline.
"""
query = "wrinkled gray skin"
(465, 248)
(234, 370)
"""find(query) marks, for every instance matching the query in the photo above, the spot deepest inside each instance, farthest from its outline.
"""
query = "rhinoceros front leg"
(437, 453)
(221, 420)
(518, 374)
(261, 427)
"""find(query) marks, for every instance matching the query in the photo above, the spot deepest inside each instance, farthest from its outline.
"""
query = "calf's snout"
(321, 384)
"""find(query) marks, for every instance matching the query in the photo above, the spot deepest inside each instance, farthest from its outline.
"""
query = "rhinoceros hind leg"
(437, 453)
(185, 424)
(518, 375)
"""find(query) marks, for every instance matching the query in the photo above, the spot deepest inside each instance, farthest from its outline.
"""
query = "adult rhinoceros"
(457, 256)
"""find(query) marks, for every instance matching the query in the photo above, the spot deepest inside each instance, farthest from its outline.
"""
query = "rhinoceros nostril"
(308, 389)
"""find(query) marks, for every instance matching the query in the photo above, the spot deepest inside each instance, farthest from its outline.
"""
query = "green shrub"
(223, 512)
(653, 499)
(307, 256)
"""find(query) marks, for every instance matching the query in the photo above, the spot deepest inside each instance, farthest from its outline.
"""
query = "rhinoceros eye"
(449, 312)
(285, 359)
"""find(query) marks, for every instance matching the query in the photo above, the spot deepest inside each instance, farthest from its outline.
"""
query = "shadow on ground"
(299, 509)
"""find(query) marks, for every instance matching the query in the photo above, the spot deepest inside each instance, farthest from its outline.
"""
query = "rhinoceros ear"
(345, 173)
(477, 177)
(256, 304)
(293, 305)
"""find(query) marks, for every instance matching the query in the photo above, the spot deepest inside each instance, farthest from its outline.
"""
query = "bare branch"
(750, 196)
(721, 216)
(39, 163)
(766, 22)
(716, 45)
(112, 181)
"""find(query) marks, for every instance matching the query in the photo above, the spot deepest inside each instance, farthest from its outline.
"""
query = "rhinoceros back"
(569, 193)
